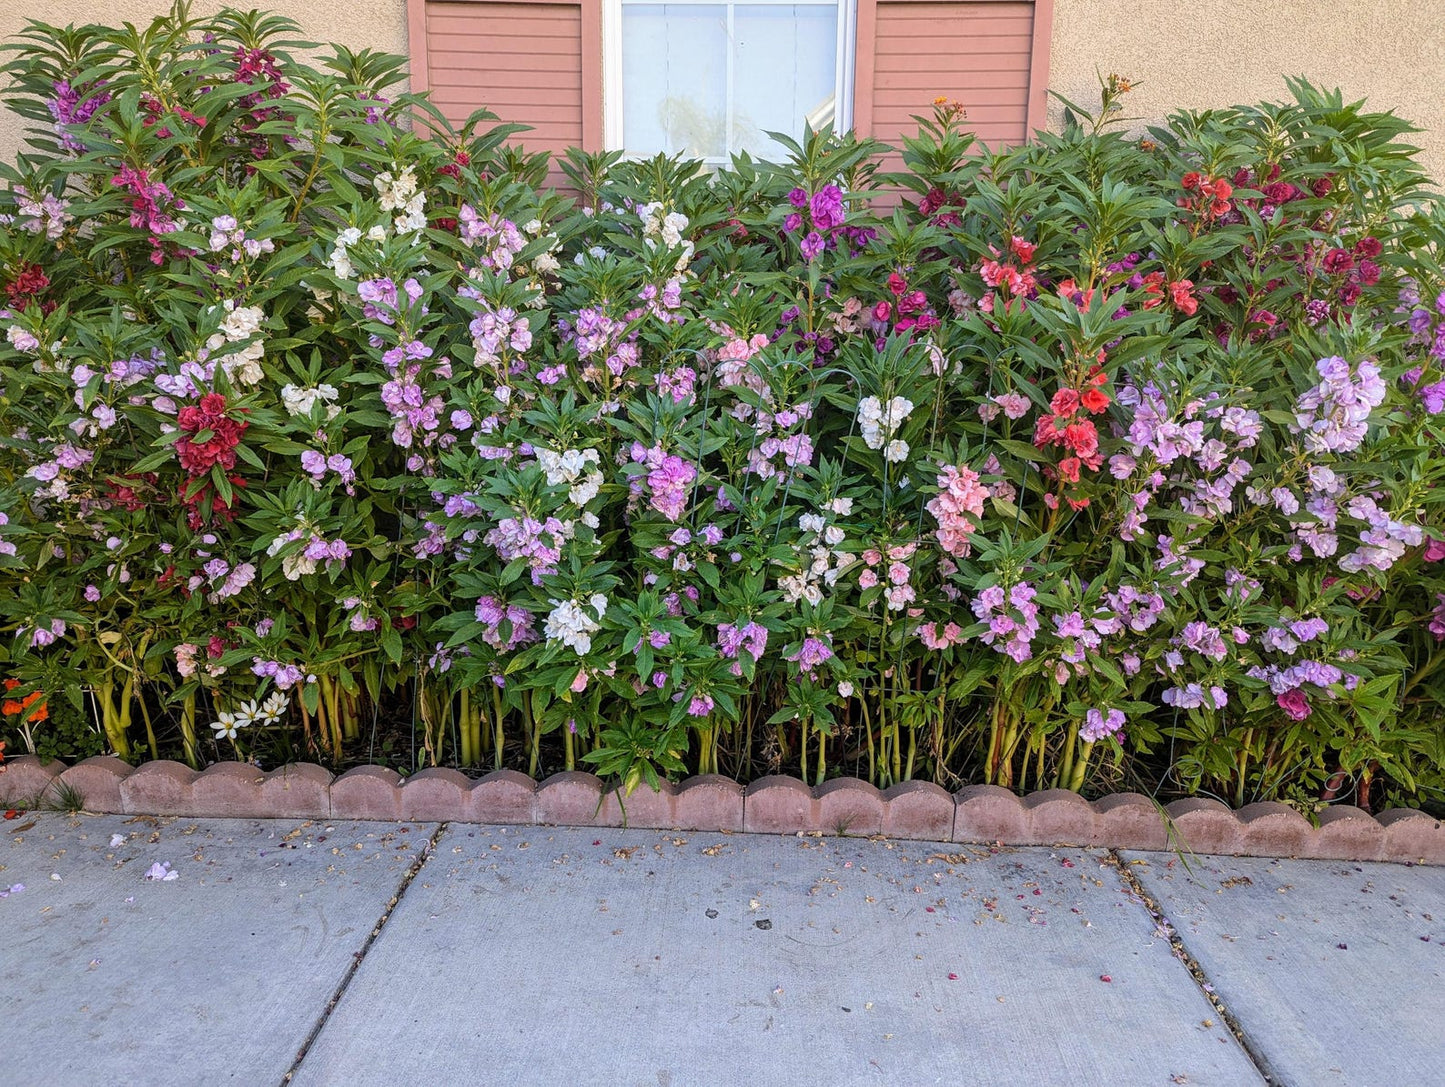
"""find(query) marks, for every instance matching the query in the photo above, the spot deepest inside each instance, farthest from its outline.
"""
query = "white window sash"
(612, 106)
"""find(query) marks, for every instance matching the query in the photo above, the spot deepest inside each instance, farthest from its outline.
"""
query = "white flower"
(241, 322)
(299, 401)
(339, 263)
(376, 233)
(225, 726)
(811, 522)
(244, 366)
(841, 506)
(878, 421)
(896, 452)
(833, 535)
(546, 263)
(672, 227)
(845, 689)
(572, 626)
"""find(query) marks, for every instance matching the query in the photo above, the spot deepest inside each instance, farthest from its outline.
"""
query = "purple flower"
(1098, 725)
(1433, 397)
(812, 653)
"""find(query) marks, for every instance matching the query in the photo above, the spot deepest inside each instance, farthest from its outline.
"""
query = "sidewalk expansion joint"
(360, 956)
(1201, 979)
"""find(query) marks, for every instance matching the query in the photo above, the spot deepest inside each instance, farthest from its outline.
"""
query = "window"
(709, 79)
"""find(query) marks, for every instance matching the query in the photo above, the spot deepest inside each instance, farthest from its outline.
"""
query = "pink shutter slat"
(534, 63)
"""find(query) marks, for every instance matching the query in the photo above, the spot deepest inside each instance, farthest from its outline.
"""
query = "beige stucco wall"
(1208, 53)
(1184, 55)
(358, 24)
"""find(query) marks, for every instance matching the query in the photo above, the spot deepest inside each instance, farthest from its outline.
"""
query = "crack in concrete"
(1196, 972)
(359, 957)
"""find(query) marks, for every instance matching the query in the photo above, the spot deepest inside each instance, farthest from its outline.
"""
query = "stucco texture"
(1210, 53)
(358, 24)
(1201, 54)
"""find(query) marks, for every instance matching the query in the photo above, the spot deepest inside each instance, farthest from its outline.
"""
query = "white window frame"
(612, 112)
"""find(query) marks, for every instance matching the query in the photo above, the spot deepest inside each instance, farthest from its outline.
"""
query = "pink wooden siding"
(990, 55)
(540, 63)
(537, 63)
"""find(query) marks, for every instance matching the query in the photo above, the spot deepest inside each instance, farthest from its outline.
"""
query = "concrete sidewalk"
(372, 953)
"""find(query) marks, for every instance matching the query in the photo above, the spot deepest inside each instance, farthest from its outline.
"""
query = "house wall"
(359, 24)
(1204, 53)
(1209, 53)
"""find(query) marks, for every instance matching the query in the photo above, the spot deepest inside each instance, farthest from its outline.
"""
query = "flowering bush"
(1098, 462)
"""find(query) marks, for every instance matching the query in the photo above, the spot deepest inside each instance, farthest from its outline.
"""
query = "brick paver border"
(916, 810)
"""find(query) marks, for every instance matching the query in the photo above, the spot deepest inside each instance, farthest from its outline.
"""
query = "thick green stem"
(1243, 768)
(498, 736)
(534, 729)
(110, 721)
(1066, 763)
(995, 735)
(188, 733)
(466, 756)
(150, 729)
(1076, 779)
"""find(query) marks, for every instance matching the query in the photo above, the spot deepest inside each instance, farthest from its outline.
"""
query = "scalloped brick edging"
(917, 810)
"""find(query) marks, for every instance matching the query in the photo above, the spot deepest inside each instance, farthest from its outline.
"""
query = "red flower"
(1094, 401)
(1065, 402)
(897, 284)
(1024, 250)
(1184, 301)
(1069, 469)
(1338, 261)
(1153, 284)
(1190, 181)
(1368, 247)
(1082, 438)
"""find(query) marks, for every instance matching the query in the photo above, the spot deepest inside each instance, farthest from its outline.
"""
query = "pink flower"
(960, 498)
(1294, 703)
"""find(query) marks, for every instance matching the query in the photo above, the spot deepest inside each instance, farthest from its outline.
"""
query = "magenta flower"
(1294, 703)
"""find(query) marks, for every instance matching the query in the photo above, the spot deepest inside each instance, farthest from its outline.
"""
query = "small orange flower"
(12, 705)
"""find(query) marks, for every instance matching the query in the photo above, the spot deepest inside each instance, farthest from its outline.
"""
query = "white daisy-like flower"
(225, 726)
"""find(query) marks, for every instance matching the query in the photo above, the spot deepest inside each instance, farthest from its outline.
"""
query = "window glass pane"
(674, 79)
(785, 59)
